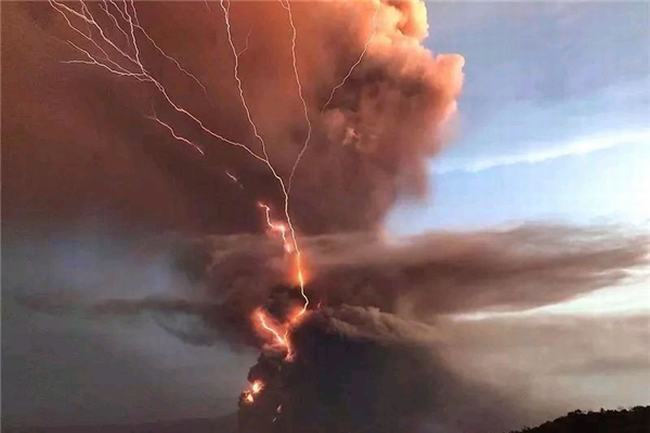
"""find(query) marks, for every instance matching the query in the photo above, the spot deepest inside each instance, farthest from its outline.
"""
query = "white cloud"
(576, 147)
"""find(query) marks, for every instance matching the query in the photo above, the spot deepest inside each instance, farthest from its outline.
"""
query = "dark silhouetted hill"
(635, 420)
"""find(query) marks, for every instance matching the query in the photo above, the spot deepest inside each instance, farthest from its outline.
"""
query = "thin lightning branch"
(87, 17)
(165, 55)
(121, 11)
(90, 39)
(242, 98)
(92, 61)
(243, 50)
(105, 8)
(176, 136)
(356, 63)
(294, 35)
(234, 179)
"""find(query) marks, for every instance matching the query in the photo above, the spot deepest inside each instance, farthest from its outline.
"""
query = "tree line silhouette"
(634, 420)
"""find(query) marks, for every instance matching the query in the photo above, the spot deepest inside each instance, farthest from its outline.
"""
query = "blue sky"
(553, 123)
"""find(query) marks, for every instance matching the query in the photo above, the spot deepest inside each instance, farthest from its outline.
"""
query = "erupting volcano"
(225, 210)
(330, 129)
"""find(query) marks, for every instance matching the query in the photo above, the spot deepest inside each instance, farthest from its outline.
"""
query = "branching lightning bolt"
(243, 50)
(127, 62)
(175, 135)
(141, 72)
(278, 338)
(167, 56)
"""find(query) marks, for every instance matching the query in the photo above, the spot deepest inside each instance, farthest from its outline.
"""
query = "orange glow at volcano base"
(255, 388)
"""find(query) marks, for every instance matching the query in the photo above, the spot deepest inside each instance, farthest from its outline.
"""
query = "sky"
(552, 128)
(557, 96)
(553, 122)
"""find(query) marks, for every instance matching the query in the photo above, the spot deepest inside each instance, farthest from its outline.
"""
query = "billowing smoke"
(369, 143)
(367, 356)
(365, 353)
(362, 370)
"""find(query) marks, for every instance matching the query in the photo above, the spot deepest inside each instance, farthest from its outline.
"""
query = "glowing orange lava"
(257, 386)
(253, 390)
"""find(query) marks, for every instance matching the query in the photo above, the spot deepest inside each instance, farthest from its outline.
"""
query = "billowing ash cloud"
(360, 370)
(417, 278)
(371, 139)
(369, 143)
(372, 343)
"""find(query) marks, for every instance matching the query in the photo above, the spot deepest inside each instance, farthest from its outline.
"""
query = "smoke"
(369, 144)
(369, 356)
(361, 370)
(419, 277)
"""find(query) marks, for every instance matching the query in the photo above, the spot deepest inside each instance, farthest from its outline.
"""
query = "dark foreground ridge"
(635, 420)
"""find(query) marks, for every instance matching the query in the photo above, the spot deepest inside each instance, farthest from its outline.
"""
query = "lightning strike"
(176, 136)
(276, 227)
(356, 63)
(294, 58)
(295, 248)
(167, 56)
(243, 50)
(123, 63)
(279, 334)
(105, 7)
(141, 73)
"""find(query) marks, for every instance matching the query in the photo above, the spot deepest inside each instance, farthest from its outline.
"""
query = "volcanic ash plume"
(314, 119)
(381, 99)
(375, 97)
